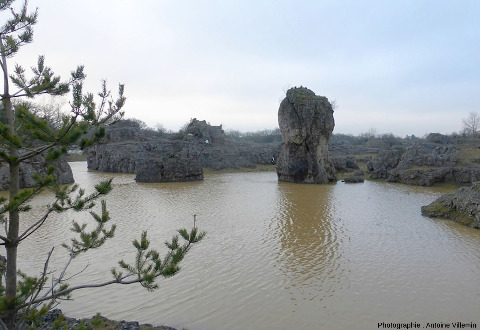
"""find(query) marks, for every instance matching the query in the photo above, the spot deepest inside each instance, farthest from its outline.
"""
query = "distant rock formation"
(204, 131)
(380, 166)
(306, 123)
(463, 206)
(37, 164)
(423, 164)
(172, 169)
(125, 149)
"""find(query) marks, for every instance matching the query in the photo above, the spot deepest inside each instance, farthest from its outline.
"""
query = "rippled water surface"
(276, 255)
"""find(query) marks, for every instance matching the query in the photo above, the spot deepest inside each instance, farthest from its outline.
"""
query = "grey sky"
(407, 67)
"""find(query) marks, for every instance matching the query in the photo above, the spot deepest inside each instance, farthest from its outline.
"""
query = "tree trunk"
(11, 246)
(13, 219)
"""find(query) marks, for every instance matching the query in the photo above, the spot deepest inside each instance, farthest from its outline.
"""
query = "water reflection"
(310, 241)
(277, 255)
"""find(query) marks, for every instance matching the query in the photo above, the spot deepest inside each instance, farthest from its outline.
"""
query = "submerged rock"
(462, 206)
(306, 123)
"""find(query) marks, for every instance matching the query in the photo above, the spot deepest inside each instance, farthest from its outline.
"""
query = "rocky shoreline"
(55, 319)
(463, 206)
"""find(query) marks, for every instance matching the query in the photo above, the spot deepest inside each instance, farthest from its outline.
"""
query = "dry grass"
(467, 155)
(74, 157)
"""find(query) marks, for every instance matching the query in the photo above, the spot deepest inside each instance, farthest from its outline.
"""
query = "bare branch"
(42, 280)
(33, 228)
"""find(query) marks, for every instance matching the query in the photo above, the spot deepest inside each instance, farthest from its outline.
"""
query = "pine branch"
(57, 141)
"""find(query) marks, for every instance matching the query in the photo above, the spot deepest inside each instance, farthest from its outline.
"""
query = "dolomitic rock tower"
(306, 123)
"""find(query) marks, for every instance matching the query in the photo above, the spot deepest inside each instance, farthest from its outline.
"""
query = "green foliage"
(17, 30)
(25, 133)
(60, 323)
(93, 239)
(148, 264)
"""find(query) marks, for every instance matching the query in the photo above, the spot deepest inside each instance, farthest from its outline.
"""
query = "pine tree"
(24, 135)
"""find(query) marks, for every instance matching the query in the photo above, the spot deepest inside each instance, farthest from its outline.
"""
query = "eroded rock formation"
(306, 123)
(125, 149)
(171, 169)
(37, 164)
(423, 164)
(463, 206)
(202, 130)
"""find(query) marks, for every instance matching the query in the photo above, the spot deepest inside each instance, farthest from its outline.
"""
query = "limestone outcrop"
(37, 164)
(171, 169)
(125, 149)
(462, 206)
(306, 123)
(357, 177)
(344, 163)
(423, 164)
(202, 130)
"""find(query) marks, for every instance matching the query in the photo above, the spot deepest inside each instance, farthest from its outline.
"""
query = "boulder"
(462, 206)
(344, 163)
(173, 169)
(306, 123)
(354, 179)
(357, 177)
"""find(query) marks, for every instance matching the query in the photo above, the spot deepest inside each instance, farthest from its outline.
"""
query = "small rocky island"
(463, 206)
(306, 123)
(174, 157)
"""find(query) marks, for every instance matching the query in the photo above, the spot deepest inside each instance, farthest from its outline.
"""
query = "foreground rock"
(37, 164)
(463, 206)
(306, 123)
(99, 322)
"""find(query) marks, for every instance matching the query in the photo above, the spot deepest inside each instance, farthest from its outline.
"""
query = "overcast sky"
(407, 67)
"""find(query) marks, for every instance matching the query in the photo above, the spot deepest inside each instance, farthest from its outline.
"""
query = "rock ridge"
(128, 150)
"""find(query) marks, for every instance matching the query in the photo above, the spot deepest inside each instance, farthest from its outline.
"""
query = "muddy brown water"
(276, 255)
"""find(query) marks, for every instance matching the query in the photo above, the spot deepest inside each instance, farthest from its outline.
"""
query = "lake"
(276, 255)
